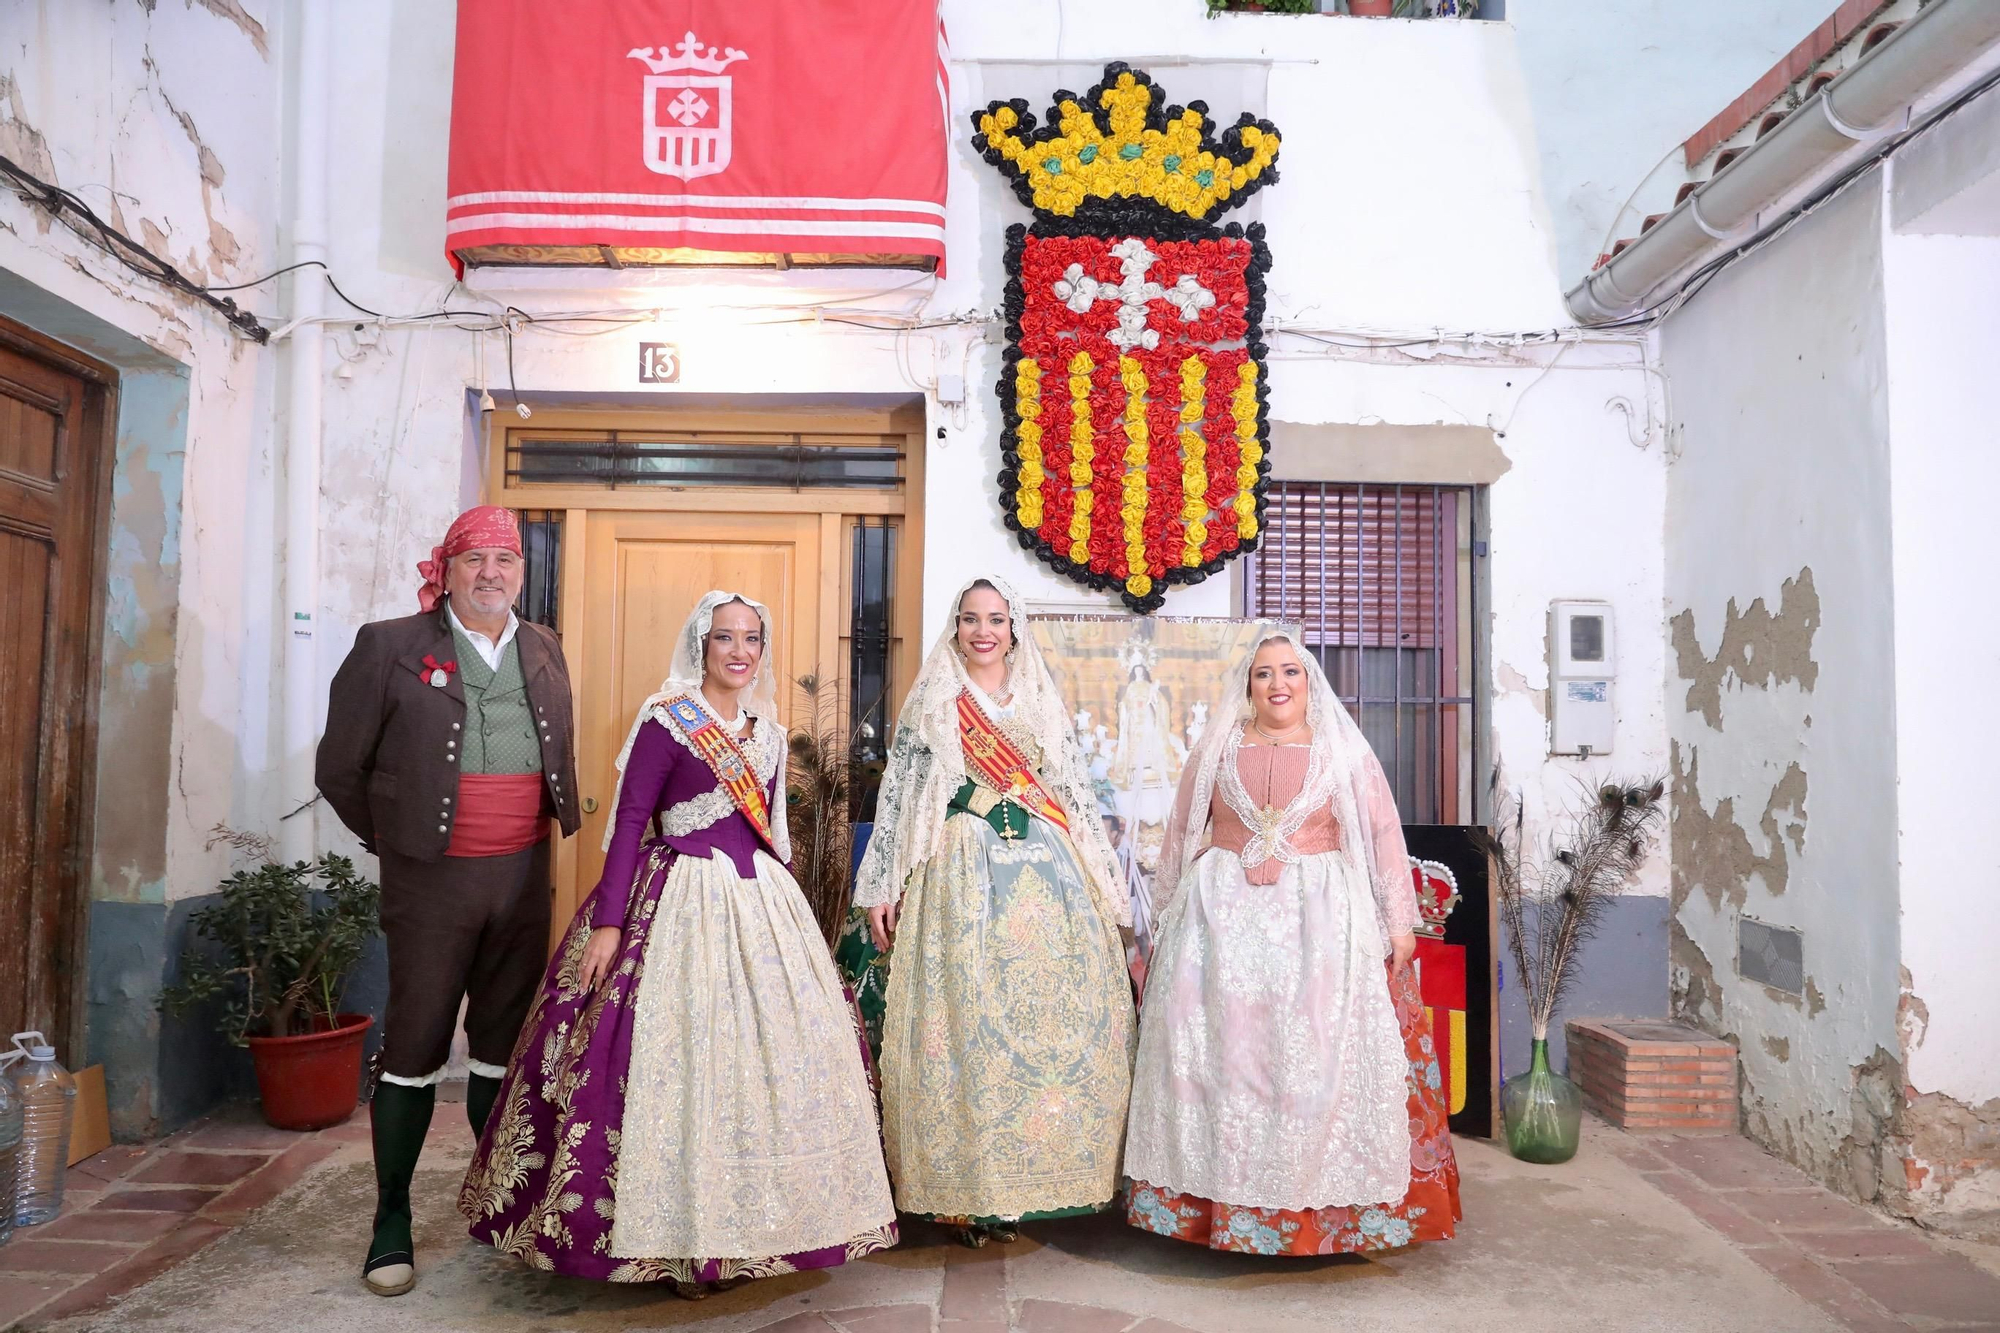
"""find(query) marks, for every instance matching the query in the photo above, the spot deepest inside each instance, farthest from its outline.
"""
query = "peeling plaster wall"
(1944, 322)
(164, 119)
(1781, 691)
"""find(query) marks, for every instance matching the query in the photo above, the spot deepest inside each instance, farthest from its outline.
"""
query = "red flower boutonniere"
(440, 672)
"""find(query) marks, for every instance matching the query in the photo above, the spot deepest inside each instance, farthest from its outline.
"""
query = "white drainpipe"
(302, 436)
(1871, 100)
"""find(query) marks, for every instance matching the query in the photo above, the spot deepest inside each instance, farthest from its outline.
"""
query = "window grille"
(615, 459)
(1380, 577)
(541, 567)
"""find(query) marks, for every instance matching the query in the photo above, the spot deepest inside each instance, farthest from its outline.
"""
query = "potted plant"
(1262, 7)
(1552, 907)
(820, 794)
(278, 947)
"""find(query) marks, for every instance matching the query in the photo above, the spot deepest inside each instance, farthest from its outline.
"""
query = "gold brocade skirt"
(1008, 1034)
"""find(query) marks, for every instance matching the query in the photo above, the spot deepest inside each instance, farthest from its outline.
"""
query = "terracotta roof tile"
(1843, 23)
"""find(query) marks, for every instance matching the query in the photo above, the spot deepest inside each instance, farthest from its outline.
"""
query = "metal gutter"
(1872, 100)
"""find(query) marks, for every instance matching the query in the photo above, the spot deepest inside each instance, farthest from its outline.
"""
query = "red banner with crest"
(809, 127)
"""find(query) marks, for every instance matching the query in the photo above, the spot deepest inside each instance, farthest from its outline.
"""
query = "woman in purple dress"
(688, 1100)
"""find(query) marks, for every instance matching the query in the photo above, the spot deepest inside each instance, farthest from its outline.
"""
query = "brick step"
(1651, 1074)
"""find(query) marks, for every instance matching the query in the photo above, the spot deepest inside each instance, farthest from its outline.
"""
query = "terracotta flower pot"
(1372, 9)
(311, 1081)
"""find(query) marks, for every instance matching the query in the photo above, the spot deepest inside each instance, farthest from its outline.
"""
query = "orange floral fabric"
(1429, 1211)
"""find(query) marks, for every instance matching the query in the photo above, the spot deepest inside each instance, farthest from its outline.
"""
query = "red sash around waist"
(498, 814)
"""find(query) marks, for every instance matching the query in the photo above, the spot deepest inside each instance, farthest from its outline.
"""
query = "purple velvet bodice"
(661, 773)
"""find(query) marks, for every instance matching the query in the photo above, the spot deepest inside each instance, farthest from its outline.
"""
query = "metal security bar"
(616, 459)
(1380, 576)
(871, 622)
(541, 551)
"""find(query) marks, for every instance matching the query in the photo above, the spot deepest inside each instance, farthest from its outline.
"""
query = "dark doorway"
(55, 451)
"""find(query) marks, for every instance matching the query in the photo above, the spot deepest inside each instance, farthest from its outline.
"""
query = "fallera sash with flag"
(718, 749)
(990, 754)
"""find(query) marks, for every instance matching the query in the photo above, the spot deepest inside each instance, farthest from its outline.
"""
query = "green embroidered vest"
(499, 721)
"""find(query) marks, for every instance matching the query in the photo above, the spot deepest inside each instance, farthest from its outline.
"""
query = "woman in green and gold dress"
(1007, 1028)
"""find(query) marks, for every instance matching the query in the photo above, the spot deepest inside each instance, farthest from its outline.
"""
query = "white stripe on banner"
(696, 201)
(944, 74)
(667, 222)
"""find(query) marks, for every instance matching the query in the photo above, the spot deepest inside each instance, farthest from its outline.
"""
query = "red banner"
(803, 127)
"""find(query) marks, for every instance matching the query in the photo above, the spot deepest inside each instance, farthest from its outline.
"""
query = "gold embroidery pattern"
(1007, 1042)
(749, 1124)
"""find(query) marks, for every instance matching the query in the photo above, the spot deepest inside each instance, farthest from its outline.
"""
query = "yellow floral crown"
(1120, 143)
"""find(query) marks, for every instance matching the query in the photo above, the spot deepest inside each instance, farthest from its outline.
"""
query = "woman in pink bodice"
(1287, 1097)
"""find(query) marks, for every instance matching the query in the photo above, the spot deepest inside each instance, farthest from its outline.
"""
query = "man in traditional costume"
(1287, 1097)
(448, 749)
(690, 1103)
(1008, 1025)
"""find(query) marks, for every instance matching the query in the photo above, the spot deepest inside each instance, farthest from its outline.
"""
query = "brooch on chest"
(439, 672)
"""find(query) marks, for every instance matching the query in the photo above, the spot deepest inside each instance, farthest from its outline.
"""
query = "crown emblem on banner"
(1120, 141)
(690, 54)
(1437, 894)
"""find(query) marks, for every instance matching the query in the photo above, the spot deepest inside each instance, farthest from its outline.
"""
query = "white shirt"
(489, 651)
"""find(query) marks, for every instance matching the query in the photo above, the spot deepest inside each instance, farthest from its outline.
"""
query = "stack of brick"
(1654, 1075)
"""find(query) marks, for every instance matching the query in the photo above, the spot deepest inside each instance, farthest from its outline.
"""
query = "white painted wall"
(1944, 324)
(1780, 387)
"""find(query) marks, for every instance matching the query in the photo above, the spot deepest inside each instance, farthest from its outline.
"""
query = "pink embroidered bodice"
(1273, 775)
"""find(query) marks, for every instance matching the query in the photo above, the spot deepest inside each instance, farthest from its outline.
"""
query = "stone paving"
(230, 1227)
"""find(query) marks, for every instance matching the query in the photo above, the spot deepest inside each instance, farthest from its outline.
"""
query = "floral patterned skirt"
(618, 1115)
(1007, 1031)
(1429, 1211)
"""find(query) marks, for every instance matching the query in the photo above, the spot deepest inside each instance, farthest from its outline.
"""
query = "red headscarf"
(480, 528)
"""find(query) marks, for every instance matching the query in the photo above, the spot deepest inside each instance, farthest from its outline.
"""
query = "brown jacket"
(389, 760)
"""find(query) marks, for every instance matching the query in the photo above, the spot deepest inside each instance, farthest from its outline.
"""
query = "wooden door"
(52, 448)
(643, 573)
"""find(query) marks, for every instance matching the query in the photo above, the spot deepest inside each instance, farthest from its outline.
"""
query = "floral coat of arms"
(1133, 392)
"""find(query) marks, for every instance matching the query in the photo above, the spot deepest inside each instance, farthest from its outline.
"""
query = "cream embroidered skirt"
(1272, 1071)
(749, 1127)
(1007, 1039)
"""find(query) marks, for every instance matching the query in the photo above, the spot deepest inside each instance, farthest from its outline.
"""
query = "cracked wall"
(1780, 604)
(163, 119)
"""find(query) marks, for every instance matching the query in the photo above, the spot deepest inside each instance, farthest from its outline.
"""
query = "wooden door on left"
(53, 452)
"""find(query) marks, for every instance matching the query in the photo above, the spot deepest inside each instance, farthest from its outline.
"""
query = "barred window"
(1380, 577)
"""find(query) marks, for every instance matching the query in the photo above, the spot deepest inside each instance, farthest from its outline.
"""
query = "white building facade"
(1419, 337)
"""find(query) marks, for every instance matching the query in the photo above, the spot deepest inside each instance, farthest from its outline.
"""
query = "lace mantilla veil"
(927, 765)
(684, 679)
(1342, 776)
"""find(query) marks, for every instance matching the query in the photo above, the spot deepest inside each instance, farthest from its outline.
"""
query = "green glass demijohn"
(1543, 1111)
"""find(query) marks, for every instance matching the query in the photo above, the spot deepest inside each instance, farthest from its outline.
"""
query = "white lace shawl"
(1343, 776)
(927, 765)
(760, 701)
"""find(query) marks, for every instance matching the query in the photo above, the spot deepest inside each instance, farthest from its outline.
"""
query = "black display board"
(1475, 925)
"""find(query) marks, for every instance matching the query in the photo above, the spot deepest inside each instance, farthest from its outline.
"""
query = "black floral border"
(1015, 303)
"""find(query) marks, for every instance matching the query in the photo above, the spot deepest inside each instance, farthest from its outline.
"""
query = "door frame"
(96, 459)
(837, 507)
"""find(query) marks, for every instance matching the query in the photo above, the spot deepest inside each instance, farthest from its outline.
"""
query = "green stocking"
(480, 1094)
(400, 1117)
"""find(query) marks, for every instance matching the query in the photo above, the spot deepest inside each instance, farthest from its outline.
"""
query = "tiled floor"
(1694, 1235)
(133, 1212)
(1864, 1270)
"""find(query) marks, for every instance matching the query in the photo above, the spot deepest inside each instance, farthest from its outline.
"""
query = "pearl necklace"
(1280, 737)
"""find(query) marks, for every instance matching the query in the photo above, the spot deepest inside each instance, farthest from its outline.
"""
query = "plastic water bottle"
(47, 1094)
(10, 1140)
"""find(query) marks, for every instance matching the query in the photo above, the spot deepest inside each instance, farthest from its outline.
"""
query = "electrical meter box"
(1582, 674)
